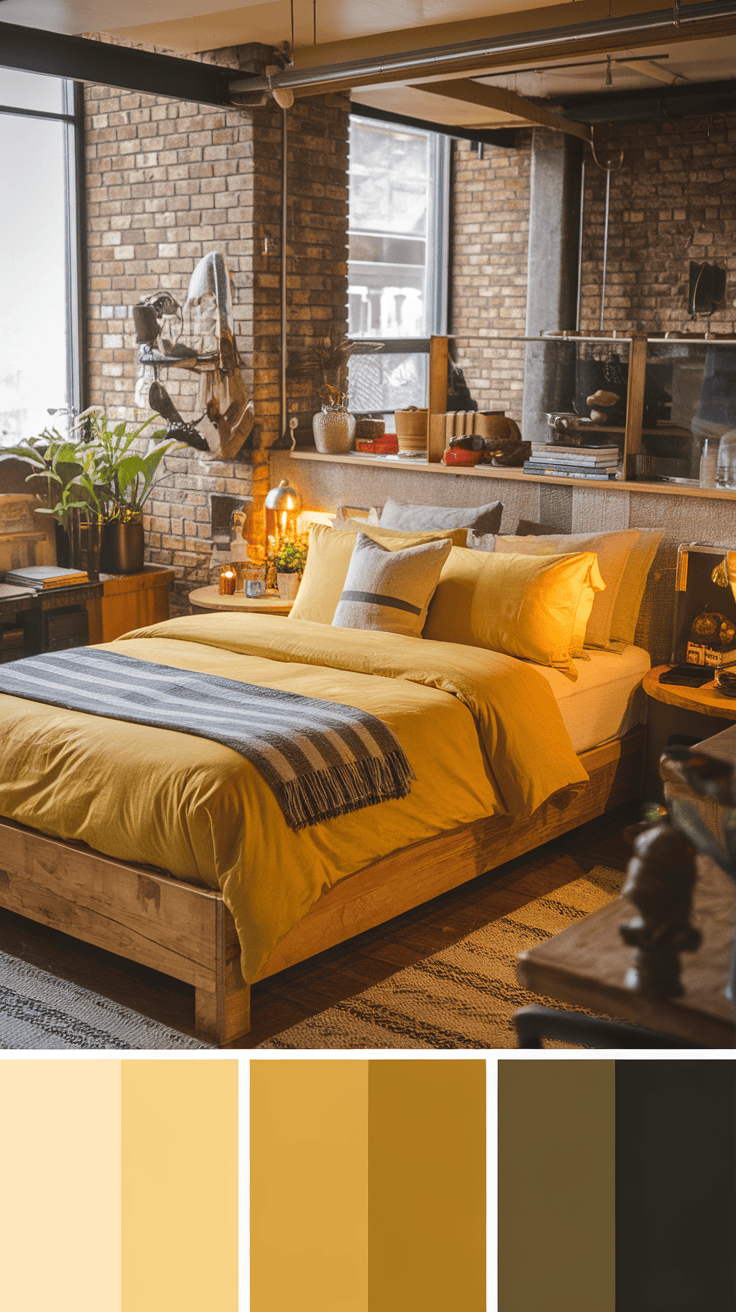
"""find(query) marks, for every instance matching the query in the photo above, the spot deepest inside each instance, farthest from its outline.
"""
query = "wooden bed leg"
(223, 1012)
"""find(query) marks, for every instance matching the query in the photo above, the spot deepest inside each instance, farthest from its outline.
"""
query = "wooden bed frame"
(149, 917)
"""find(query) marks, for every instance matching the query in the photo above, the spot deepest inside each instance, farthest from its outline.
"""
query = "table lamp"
(283, 504)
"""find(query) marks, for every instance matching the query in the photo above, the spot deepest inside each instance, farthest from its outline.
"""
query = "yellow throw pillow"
(330, 550)
(525, 606)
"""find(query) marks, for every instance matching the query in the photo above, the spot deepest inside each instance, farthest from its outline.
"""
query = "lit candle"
(228, 579)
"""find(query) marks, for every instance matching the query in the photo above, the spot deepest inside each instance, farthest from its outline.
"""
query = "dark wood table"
(586, 966)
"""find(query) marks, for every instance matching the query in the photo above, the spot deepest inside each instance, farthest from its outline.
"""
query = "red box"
(388, 445)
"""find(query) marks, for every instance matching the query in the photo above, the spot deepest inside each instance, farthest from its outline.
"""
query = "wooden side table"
(132, 601)
(672, 711)
(210, 598)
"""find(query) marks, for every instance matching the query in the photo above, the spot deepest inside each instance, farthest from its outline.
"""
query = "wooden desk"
(586, 965)
(205, 599)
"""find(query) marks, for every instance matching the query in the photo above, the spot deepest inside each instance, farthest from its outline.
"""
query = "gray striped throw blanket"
(321, 759)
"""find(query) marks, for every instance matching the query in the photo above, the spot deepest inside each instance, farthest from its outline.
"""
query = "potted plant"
(333, 426)
(128, 480)
(72, 497)
(288, 562)
(96, 487)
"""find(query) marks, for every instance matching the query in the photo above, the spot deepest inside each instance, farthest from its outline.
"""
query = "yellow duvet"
(482, 732)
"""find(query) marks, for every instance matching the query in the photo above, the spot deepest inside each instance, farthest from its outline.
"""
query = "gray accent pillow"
(481, 519)
(390, 590)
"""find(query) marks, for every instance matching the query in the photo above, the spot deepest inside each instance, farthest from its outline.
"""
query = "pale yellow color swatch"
(60, 1186)
(179, 1186)
(309, 1186)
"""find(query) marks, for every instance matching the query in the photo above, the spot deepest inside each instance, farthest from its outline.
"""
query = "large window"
(397, 266)
(39, 289)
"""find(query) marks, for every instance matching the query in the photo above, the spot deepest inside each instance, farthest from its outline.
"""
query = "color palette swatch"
(617, 1185)
(368, 1185)
(119, 1185)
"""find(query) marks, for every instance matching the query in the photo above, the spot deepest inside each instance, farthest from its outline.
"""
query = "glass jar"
(726, 472)
(708, 469)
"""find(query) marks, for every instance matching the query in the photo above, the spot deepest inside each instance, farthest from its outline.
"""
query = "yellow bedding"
(481, 730)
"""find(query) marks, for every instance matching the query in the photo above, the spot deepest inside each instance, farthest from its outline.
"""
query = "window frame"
(71, 116)
(437, 264)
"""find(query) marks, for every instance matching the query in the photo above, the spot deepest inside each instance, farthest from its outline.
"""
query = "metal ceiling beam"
(683, 100)
(602, 36)
(83, 60)
(505, 137)
(463, 89)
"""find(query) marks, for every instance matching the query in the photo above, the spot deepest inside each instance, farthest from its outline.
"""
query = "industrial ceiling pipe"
(455, 58)
(678, 102)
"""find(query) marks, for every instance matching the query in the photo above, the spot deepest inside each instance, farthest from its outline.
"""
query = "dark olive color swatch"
(676, 1186)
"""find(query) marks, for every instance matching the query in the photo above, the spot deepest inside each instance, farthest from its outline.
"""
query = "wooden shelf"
(493, 471)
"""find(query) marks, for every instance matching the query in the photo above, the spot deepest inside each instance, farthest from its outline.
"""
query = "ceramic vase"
(288, 585)
(334, 430)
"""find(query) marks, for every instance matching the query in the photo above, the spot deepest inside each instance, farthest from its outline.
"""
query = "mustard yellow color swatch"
(179, 1186)
(427, 1186)
(556, 1186)
(60, 1186)
(309, 1186)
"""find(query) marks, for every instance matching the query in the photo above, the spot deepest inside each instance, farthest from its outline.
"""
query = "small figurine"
(659, 881)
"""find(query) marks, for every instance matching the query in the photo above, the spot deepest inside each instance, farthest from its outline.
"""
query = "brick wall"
(488, 262)
(166, 183)
(673, 201)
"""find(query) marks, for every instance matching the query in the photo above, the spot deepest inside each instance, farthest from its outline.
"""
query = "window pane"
(33, 277)
(387, 382)
(31, 91)
(389, 203)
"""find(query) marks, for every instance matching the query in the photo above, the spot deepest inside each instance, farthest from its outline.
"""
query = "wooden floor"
(343, 971)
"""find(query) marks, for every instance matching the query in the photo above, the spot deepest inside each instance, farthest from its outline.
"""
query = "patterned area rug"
(464, 996)
(37, 1010)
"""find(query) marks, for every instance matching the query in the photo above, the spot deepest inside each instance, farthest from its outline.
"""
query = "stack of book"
(559, 461)
(43, 577)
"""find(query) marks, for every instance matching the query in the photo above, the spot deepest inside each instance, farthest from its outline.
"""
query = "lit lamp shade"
(283, 504)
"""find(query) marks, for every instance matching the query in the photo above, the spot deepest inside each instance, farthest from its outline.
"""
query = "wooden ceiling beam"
(507, 102)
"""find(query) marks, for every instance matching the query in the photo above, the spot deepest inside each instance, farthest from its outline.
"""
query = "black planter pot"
(122, 547)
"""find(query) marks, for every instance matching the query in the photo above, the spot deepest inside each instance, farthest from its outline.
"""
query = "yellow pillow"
(330, 550)
(526, 606)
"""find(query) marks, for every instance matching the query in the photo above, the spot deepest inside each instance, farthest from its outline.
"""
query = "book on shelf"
(44, 577)
(571, 471)
(586, 448)
(10, 592)
(586, 455)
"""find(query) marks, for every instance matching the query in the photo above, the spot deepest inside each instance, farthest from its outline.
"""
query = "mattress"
(606, 701)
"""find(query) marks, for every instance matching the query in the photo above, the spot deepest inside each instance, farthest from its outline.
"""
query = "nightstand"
(206, 599)
(677, 712)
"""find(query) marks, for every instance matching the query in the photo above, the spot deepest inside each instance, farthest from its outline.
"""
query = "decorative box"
(386, 445)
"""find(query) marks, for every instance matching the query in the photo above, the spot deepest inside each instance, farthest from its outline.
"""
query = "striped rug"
(38, 1010)
(464, 996)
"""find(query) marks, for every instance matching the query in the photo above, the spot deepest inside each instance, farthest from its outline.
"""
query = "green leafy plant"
(290, 557)
(96, 474)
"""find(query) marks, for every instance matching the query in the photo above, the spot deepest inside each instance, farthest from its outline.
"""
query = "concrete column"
(552, 286)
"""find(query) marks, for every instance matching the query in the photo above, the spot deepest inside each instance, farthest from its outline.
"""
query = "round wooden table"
(205, 599)
(706, 699)
(675, 712)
